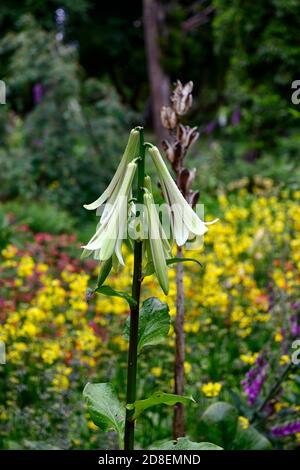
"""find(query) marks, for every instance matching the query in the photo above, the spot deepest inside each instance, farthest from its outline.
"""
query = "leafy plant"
(149, 324)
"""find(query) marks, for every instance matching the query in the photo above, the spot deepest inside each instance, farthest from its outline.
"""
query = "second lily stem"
(134, 311)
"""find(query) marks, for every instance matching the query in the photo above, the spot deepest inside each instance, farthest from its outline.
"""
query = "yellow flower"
(211, 389)
(92, 426)
(278, 407)
(50, 353)
(60, 382)
(28, 329)
(278, 337)
(9, 252)
(187, 367)
(284, 360)
(3, 415)
(244, 422)
(156, 371)
(249, 358)
(26, 266)
(121, 342)
(42, 268)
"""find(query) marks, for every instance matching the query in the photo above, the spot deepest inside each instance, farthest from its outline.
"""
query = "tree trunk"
(178, 420)
(159, 81)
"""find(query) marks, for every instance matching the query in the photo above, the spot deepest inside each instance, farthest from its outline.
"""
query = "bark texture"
(153, 15)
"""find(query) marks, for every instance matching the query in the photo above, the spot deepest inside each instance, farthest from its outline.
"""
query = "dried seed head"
(169, 150)
(185, 180)
(182, 97)
(168, 117)
(193, 198)
(187, 135)
(179, 153)
(192, 136)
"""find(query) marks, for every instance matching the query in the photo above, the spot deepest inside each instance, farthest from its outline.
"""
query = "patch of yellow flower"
(211, 389)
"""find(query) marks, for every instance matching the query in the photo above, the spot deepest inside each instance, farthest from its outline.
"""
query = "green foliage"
(107, 290)
(154, 323)
(51, 151)
(219, 423)
(250, 439)
(158, 398)
(6, 230)
(41, 217)
(183, 443)
(220, 420)
(262, 58)
(104, 407)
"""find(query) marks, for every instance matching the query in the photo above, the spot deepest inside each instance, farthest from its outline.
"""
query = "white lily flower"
(111, 229)
(185, 222)
(112, 191)
(159, 246)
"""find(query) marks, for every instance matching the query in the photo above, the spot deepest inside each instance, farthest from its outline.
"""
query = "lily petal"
(131, 152)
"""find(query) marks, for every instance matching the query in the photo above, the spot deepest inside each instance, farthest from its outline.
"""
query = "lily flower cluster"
(117, 210)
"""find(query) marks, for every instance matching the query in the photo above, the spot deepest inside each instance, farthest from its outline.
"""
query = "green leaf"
(107, 290)
(104, 407)
(219, 423)
(182, 260)
(158, 398)
(183, 443)
(250, 439)
(104, 271)
(149, 269)
(154, 323)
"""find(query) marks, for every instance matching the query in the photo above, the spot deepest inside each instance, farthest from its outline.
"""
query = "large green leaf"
(219, 424)
(154, 323)
(183, 443)
(107, 290)
(250, 439)
(104, 407)
(157, 398)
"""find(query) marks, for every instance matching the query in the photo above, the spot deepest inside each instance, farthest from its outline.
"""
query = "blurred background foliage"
(76, 77)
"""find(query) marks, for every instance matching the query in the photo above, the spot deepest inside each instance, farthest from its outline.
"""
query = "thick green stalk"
(134, 311)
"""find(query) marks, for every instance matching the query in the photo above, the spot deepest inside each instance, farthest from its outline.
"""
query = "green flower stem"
(134, 311)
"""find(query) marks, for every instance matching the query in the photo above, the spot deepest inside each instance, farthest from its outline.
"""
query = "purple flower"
(37, 93)
(236, 116)
(286, 429)
(295, 329)
(210, 127)
(255, 379)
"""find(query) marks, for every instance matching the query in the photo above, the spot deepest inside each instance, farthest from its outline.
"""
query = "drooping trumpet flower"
(112, 191)
(112, 227)
(107, 239)
(159, 248)
(185, 222)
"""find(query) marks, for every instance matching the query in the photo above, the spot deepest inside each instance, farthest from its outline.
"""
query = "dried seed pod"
(193, 198)
(192, 175)
(182, 97)
(178, 154)
(183, 179)
(169, 150)
(192, 136)
(181, 133)
(168, 117)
